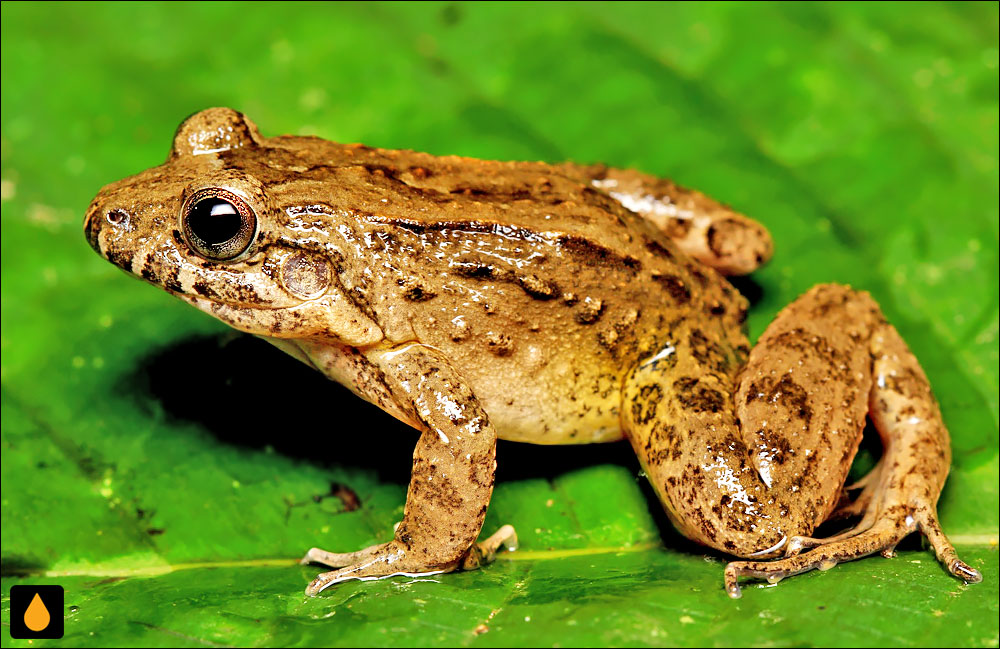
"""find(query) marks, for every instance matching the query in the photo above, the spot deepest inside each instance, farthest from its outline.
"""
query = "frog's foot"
(378, 562)
(943, 549)
(824, 557)
(392, 559)
(861, 505)
(342, 559)
(890, 528)
(485, 551)
(339, 559)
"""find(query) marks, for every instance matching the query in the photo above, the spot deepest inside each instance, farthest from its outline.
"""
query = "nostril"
(117, 217)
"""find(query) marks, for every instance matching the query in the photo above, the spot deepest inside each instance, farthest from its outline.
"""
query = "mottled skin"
(553, 304)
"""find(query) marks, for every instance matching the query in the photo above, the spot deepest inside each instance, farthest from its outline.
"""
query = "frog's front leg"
(750, 461)
(703, 228)
(453, 468)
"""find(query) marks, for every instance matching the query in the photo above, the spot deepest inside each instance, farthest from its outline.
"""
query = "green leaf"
(168, 473)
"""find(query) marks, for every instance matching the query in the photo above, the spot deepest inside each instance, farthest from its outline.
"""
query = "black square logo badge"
(36, 612)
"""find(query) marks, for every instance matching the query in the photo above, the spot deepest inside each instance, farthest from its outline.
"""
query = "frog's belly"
(557, 404)
(547, 423)
(561, 405)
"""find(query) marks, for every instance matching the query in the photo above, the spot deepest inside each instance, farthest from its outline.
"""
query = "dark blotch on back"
(478, 270)
(675, 286)
(418, 294)
(533, 285)
(415, 291)
(597, 255)
(658, 249)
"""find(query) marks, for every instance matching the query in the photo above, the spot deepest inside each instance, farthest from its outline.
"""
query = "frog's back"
(541, 289)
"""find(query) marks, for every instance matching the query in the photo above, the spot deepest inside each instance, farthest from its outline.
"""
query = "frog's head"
(203, 228)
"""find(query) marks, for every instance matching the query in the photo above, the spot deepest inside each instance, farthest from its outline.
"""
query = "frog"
(548, 303)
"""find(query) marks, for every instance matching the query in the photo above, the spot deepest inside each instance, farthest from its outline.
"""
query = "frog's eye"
(218, 224)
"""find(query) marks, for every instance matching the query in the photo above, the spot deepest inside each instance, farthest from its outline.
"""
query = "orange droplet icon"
(36, 617)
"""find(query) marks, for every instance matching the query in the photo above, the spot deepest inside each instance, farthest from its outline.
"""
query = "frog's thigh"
(800, 407)
(703, 228)
(453, 468)
(901, 494)
(743, 465)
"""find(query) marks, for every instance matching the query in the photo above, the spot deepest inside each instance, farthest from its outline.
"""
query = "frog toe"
(485, 551)
(926, 519)
(826, 554)
(378, 562)
(880, 535)
(338, 559)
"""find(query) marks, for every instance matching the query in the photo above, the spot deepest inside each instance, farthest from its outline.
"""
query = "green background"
(136, 475)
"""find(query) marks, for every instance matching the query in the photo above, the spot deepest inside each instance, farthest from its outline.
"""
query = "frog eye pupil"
(218, 224)
(214, 220)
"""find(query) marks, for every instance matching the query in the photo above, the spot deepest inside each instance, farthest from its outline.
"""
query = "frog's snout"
(103, 222)
(92, 226)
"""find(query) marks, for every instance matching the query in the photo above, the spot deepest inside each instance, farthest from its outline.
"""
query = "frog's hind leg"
(705, 229)
(868, 485)
(889, 528)
(847, 508)
(901, 494)
(743, 453)
(747, 463)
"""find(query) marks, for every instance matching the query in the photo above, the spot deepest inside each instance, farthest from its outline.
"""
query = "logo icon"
(36, 612)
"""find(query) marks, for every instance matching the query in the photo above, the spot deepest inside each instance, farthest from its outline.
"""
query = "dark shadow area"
(17, 566)
(248, 393)
(748, 287)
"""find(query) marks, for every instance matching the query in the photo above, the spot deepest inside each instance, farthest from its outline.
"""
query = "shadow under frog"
(225, 385)
(552, 304)
(216, 399)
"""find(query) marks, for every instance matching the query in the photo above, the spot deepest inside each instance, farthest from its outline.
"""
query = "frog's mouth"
(255, 319)
(325, 315)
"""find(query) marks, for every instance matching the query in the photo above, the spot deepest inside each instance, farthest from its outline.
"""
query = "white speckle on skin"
(663, 353)
(649, 204)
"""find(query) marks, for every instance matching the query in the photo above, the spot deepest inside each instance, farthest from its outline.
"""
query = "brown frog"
(553, 304)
